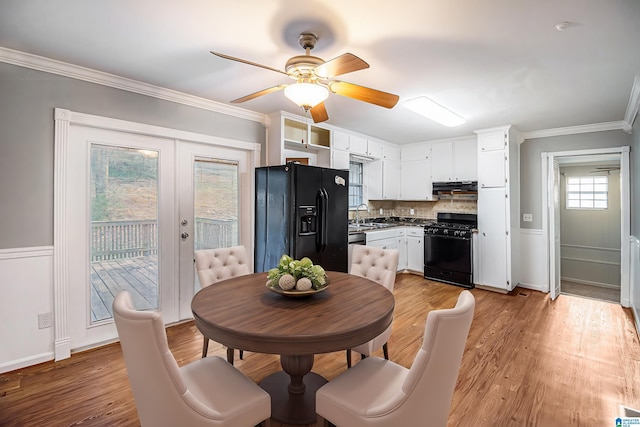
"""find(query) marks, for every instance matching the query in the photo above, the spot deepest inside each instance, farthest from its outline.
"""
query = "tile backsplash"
(420, 209)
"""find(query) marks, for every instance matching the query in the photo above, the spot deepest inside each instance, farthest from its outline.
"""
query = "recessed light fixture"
(434, 111)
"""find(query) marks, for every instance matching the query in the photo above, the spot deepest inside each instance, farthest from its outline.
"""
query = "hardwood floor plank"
(528, 361)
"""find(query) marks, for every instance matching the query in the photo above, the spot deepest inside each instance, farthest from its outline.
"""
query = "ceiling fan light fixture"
(434, 111)
(306, 95)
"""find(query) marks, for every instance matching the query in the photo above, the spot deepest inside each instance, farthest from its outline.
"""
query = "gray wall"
(635, 181)
(531, 169)
(27, 100)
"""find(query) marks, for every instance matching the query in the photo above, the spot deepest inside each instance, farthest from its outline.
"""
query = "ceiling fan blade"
(259, 93)
(342, 64)
(366, 94)
(319, 113)
(244, 61)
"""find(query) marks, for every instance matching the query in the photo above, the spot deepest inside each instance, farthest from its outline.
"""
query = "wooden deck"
(138, 275)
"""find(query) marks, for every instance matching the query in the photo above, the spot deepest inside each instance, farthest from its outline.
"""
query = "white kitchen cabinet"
(358, 145)
(455, 160)
(402, 248)
(442, 161)
(290, 137)
(415, 172)
(492, 169)
(413, 152)
(375, 148)
(498, 210)
(490, 140)
(340, 140)
(465, 160)
(390, 179)
(339, 159)
(383, 180)
(415, 180)
(365, 147)
(391, 152)
(385, 239)
(415, 249)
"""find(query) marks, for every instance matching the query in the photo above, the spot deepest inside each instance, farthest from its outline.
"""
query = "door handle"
(184, 235)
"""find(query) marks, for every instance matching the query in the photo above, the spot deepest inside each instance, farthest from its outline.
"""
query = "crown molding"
(65, 69)
(634, 104)
(571, 130)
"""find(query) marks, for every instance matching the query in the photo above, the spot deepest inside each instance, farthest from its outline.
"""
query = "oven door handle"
(442, 236)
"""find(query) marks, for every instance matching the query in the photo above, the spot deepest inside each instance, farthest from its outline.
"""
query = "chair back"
(432, 377)
(161, 395)
(375, 263)
(214, 265)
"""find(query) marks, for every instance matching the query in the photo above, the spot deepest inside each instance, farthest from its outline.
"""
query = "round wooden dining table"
(242, 313)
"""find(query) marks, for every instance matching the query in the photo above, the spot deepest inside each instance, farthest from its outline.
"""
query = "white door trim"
(625, 211)
(63, 119)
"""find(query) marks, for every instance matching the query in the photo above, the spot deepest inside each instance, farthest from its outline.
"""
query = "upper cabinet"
(366, 147)
(415, 173)
(493, 156)
(293, 139)
(454, 160)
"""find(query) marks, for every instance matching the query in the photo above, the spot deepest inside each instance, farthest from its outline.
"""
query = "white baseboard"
(530, 286)
(24, 362)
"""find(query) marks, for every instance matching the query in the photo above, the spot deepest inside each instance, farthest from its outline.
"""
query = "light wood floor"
(528, 362)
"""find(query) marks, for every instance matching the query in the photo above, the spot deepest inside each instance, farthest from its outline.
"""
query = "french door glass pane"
(124, 228)
(216, 204)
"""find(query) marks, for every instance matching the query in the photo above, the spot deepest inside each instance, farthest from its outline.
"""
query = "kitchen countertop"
(375, 224)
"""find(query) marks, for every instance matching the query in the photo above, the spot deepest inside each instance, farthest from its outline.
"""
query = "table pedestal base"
(289, 408)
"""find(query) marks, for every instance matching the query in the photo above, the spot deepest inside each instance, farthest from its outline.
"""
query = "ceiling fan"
(315, 79)
(606, 169)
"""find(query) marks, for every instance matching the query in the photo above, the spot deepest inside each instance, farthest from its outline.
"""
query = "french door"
(138, 206)
(215, 204)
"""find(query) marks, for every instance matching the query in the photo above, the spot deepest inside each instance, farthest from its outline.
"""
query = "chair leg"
(363, 356)
(322, 422)
(205, 347)
(230, 352)
(385, 350)
(241, 354)
(348, 360)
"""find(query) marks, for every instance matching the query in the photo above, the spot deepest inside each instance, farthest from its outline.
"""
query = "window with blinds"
(356, 180)
(587, 192)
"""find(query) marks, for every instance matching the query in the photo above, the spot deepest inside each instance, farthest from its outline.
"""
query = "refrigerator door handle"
(322, 200)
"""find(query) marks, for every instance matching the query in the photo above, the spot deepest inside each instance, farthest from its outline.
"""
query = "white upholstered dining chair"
(379, 265)
(214, 265)
(207, 392)
(378, 392)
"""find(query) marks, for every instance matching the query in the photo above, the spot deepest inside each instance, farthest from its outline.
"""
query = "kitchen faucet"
(358, 212)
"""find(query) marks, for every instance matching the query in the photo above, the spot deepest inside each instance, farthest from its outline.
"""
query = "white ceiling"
(494, 62)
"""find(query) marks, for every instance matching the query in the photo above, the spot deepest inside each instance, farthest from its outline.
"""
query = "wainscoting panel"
(27, 290)
(635, 279)
(533, 262)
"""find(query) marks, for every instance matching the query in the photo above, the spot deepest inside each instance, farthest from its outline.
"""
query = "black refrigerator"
(301, 211)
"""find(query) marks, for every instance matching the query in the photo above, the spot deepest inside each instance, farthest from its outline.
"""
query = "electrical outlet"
(380, 211)
(45, 320)
(527, 217)
(412, 211)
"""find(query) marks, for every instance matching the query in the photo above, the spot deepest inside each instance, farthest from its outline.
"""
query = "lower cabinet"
(408, 240)
(385, 239)
(415, 249)
(402, 249)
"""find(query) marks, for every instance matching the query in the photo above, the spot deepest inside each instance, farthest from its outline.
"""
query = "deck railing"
(128, 239)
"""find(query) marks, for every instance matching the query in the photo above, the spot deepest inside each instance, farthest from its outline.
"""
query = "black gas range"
(448, 248)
